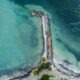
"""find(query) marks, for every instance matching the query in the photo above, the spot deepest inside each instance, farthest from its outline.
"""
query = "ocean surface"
(20, 38)
(20, 34)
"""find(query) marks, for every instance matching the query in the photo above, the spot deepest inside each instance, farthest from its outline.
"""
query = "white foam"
(72, 67)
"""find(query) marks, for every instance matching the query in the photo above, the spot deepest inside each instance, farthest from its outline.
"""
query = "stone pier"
(47, 41)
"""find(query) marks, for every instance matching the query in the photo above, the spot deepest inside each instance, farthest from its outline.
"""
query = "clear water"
(20, 37)
(17, 27)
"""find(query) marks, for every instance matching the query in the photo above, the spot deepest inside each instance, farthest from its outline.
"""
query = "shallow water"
(24, 46)
(20, 37)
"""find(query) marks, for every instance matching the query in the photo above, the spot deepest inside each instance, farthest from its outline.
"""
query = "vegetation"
(45, 77)
(44, 65)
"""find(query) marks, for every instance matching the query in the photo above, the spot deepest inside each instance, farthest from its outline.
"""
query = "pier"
(47, 41)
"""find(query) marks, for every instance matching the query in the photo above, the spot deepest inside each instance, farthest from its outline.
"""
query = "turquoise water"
(20, 37)
(19, 45)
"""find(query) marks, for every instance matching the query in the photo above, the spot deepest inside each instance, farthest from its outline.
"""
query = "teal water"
(20, 37)
(17, 27)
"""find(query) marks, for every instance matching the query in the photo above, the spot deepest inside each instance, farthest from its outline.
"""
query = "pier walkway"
(47, 42)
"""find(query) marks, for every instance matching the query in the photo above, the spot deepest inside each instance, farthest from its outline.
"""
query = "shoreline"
(64, 69)
(17, 74)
